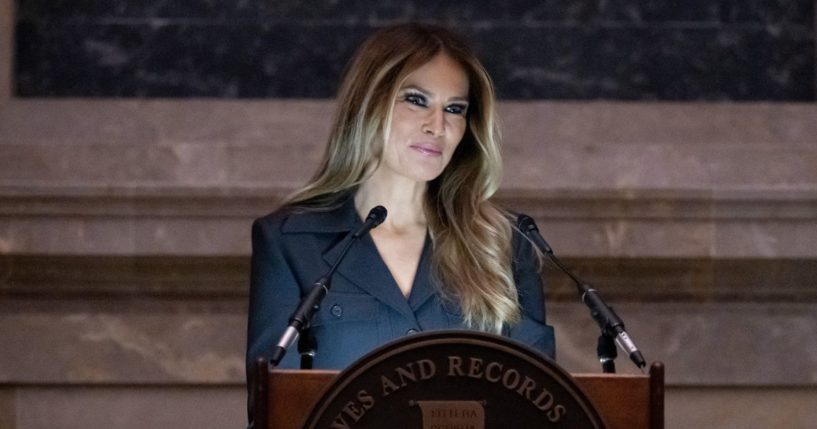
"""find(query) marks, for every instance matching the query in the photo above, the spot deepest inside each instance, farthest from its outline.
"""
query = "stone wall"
(124, 242)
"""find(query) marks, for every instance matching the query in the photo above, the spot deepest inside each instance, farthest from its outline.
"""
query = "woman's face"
(428, 120)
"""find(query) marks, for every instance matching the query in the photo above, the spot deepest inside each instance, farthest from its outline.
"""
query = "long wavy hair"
(472, 257)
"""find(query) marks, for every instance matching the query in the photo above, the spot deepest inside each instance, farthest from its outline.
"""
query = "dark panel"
(182, 60)
(649, 63)
(702, 11)
(511, 12)
(199, 278)
(666, 50)
(94, 10)
(350, 12)
(690, 280)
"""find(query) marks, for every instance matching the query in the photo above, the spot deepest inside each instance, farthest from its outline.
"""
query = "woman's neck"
(403, 199)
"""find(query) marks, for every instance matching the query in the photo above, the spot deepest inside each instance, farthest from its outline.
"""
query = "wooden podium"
(285, 398)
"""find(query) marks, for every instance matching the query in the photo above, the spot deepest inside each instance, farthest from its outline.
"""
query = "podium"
(456, 379)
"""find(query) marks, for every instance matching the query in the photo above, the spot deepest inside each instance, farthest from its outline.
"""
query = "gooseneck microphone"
(300, 319)
(611, 325)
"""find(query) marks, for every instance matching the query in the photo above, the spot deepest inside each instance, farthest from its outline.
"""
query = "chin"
(426, 176)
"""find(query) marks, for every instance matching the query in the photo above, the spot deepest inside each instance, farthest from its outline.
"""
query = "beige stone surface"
(602, 179)
(137, 407)
(660, 145)
(736, 408)
(678, 123)
(130, 407)
(793, 238)
(628, 146)
(137, 346)
(701, 344)
(202, 221)
(155, 143)
(8, 408)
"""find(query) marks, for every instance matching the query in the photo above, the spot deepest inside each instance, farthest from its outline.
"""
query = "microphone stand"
(307, 347)
(606, 351)
(612, 327)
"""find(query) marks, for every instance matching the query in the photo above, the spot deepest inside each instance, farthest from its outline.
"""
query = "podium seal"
(453, 380)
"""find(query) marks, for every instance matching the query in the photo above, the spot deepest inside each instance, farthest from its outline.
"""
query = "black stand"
(306, 348)
(607, 353)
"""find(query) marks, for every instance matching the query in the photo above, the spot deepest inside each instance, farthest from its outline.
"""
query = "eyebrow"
(430, 93)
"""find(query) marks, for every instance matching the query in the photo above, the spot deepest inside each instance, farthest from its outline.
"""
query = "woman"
(415, 133)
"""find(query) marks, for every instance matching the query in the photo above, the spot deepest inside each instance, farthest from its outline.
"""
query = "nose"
(435, 123)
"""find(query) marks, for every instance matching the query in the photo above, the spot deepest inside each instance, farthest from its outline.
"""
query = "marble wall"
(581, 49)
(128, 185)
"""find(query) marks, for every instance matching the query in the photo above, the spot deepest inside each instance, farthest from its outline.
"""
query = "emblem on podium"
(452, 414)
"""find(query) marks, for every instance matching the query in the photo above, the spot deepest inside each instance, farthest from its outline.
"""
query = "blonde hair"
(472, 256)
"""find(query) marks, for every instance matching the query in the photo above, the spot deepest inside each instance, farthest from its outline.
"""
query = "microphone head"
(528, 227)
(377, 215)
(526, 223)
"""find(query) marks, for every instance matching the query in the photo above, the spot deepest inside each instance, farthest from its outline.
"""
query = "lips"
(427, 149)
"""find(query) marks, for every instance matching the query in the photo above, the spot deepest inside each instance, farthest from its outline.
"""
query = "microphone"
(607, 319)
(375, 217)
(299, 321)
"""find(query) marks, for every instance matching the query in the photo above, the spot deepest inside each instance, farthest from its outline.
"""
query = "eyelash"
(418, 99)
(457, 109)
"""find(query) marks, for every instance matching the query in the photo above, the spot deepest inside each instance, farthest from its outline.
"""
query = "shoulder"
(295, 220)
(272, 223)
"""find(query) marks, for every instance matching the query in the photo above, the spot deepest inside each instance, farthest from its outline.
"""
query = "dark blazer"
(364, 308)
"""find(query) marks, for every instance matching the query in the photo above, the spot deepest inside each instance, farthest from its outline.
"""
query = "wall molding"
(214, 202)
(105, 280)
(144, 221)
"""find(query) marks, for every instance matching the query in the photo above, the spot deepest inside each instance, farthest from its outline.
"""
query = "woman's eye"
(457, 109)
(416, 99)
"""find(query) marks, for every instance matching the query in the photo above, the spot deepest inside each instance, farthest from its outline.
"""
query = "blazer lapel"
(422, 289)
(363, 265)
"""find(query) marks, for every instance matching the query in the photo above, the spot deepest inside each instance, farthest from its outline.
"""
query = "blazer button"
(336, 311)
(411, 331)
